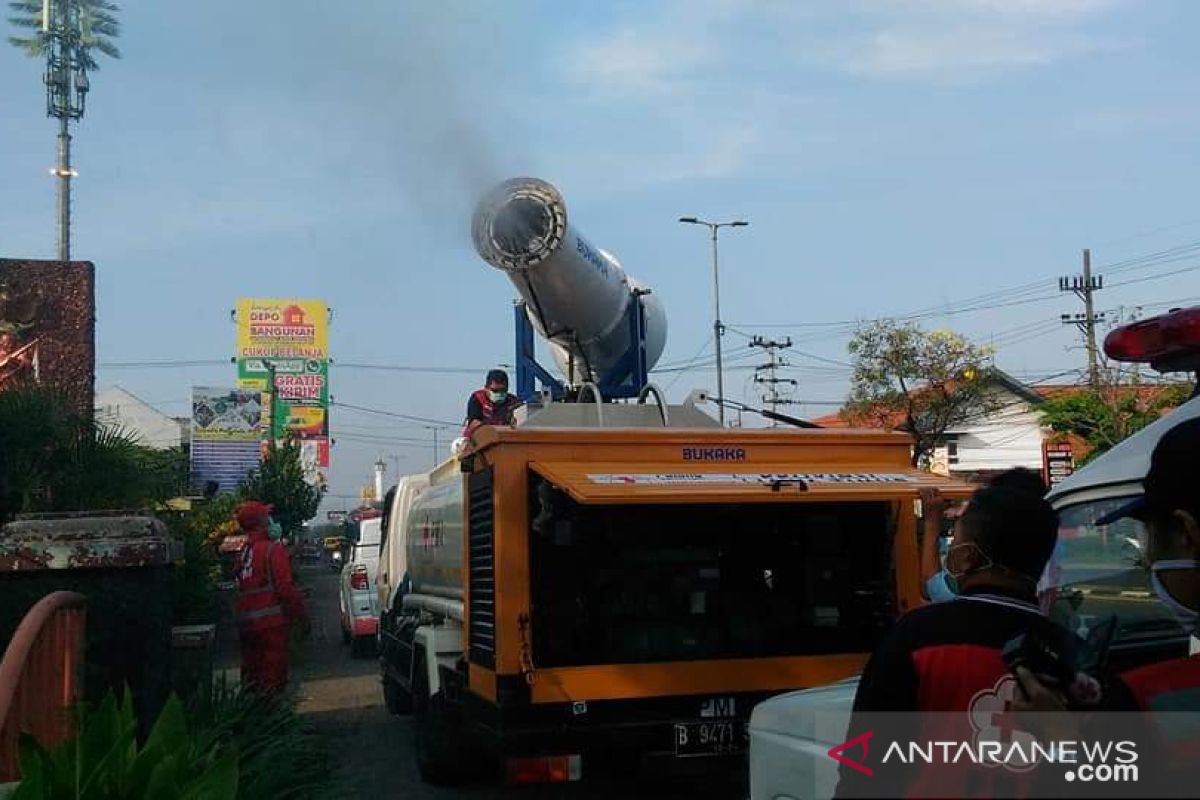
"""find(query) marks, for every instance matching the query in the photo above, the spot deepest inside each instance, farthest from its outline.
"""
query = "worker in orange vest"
(267, 601)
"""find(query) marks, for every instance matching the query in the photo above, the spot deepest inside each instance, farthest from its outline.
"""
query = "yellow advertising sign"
(271, 328)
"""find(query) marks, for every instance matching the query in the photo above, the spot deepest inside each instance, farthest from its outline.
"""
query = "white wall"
(1011, 437)
(117, 407)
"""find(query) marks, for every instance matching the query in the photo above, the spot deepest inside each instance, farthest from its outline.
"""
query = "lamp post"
(713, 227)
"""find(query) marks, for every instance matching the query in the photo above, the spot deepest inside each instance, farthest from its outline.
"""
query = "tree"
(1120, 408)
(54, 457)
(921, 382)
(280, 481)
(96, 29)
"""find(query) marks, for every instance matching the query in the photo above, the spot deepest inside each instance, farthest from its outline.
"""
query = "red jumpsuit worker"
(267, 601)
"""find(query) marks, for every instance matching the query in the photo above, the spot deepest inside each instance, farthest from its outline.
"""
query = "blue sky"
(891, 157)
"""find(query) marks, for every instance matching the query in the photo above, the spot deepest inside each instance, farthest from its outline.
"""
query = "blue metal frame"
(626, 379)
(631, 373)
(529, 371)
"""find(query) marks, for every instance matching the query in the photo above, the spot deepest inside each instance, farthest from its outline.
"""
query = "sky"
(944, 158)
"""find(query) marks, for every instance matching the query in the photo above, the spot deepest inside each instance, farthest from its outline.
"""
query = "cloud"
(637, 62)
(957, 39)
(962, 50)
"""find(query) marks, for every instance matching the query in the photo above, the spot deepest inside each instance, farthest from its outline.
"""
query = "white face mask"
(1189, 618)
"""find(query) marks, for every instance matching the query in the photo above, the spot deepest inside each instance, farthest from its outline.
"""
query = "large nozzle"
(519, 223)
(576, 293)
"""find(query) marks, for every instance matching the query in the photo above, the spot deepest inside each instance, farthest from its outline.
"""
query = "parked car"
(1095, 573)
(359, 606)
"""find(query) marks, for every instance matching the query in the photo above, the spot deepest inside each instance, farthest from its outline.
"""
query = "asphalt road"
(372, 751)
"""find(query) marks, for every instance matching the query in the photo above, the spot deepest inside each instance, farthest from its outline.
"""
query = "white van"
(1096, 572)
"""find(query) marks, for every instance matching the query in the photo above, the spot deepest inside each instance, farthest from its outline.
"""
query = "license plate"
(710, 738)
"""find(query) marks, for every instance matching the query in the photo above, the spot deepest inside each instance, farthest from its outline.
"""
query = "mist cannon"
(602, 325)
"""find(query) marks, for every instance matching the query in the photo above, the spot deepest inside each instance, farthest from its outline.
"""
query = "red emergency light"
(1168, 343)
(359, 579)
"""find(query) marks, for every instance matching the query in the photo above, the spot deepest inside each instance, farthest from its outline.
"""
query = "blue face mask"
(274, 530)
(941, 587)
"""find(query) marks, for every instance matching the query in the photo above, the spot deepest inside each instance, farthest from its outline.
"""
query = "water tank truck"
(608, 584)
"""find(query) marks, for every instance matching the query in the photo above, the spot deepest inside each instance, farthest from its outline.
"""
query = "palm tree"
(75, 29)
(98, 26)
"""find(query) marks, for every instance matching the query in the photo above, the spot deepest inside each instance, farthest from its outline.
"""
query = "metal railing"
(40, 676)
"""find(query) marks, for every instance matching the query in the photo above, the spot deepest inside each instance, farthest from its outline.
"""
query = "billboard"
(290, 337)
(227, 427)
(47, 326)
(226, 415)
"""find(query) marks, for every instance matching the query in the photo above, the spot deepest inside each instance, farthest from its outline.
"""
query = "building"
(116, 407)
(1011, 436)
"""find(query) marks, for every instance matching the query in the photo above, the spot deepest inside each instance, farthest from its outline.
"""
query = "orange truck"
(572, 597)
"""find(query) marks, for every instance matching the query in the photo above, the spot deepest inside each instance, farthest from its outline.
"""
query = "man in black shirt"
(942, 663)
(491, 405)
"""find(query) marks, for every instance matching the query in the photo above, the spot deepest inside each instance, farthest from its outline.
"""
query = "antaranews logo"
(836, 753)
(1087, 761)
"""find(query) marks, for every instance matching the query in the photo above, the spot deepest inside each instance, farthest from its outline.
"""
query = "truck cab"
(580, 597)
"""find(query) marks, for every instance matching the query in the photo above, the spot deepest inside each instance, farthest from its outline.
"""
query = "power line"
(396, 414)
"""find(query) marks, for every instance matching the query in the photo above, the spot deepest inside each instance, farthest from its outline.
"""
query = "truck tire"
(441, 759)
(399, 701)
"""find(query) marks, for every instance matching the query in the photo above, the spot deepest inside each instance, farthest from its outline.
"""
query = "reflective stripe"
(269, 611)
(260, 590)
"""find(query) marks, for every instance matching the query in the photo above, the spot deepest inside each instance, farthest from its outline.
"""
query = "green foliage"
(53, 457)
(95, 24)
(922, 382)
(104, 760)
(280, 481)
(1105, 417)
(279, 756)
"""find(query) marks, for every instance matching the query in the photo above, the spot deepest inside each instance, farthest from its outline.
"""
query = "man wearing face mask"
(491, 405)
(937, 586)
(947, 657)
(267, 602)
(1170, 509)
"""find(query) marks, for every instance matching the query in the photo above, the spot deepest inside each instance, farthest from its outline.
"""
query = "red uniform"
(481, 409)
(267, 602)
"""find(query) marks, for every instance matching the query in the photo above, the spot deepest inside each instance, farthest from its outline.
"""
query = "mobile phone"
(1053, 661)
(1093, 655)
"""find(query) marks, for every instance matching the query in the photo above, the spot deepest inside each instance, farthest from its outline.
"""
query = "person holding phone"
(946, 658)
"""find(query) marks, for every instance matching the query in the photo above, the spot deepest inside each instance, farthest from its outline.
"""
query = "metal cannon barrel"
(576, 293)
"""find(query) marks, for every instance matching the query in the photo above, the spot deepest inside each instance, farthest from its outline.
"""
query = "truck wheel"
(398, 700)
(440, 757)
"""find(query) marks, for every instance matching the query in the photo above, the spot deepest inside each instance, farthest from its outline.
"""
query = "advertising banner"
(290, 337)
(47, 326)
(269, 328)
(227, 426)
(226, 414)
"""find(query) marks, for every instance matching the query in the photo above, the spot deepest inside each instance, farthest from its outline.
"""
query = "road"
(372, 751)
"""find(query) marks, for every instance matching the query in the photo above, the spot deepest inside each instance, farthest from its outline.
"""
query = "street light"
(717, 329)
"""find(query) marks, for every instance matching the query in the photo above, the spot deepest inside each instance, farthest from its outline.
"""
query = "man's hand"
(1037, 695)
(933, 503)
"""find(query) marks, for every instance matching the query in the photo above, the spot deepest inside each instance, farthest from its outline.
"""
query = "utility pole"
(1084, 287)
(274, 413)
(436, 451)
(773, 398)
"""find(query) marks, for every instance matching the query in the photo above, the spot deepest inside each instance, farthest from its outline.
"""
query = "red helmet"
(252, 514)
